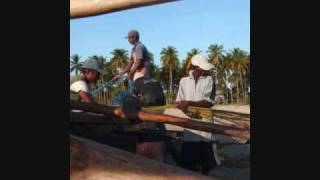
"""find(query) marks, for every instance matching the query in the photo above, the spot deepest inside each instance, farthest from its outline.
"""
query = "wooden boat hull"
(93, 161)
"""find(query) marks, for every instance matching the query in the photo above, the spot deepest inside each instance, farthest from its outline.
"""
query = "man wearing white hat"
(197, 89)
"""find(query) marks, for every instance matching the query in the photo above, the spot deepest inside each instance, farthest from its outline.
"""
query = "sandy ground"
(234, 107)
(234, 154)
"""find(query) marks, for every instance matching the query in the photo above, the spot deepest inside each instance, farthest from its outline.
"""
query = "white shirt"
(191, 91)
(79, 86)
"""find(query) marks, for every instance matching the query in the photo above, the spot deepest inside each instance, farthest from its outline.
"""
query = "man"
(138, 64)
(80, 85)
(197, 90)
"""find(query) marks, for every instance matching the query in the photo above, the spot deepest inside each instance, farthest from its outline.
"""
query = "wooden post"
(85, 8)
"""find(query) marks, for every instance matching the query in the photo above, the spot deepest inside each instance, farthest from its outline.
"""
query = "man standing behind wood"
(197, 89)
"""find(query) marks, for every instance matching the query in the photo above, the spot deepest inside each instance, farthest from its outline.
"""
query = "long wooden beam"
(86, 8)
(90, 160)
(139, 116)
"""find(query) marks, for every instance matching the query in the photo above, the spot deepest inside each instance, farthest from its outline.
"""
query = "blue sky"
(183, 24)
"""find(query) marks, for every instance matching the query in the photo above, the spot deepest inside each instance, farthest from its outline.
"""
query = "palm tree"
(154, 70)
(75, 64)
(216, 53)
(102, 62)
(187, 62)
(118, 60)
(100, 59)
(151, 57)
(227, 76)
(241, 62)
(169, 59)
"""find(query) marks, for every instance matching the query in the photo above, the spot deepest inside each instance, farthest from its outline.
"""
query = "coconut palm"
(241, 62)
(118, 60)
(215, 52)
(216, 56)
(75, 64)
(102, 62)
(169, 60)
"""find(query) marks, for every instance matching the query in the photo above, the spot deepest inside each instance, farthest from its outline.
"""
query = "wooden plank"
(82, 117)
(90, 160)
(86, 8)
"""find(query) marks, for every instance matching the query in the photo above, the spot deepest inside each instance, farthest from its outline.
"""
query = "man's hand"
(117, 77)
(183, 105)
(129, 76)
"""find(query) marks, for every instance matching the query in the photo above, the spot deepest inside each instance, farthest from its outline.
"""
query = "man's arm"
(81, 87)
(207, 102)
(86, 97)
(203, 103)
(127, 67)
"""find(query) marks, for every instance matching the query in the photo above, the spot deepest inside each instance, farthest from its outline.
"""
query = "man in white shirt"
(197, 90)
(80, 85)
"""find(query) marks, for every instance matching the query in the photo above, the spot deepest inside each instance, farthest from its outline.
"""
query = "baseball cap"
(94, 65)
(202, 62)
(133, 33)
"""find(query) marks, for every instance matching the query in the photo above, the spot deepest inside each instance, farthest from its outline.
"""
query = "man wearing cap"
(197, 89)
(138, 65)
(80, 85)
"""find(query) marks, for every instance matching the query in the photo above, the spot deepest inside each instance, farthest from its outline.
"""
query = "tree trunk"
(227, 97)
(242, 88)
(238, 91)
(231, 97)
(245, 89)
(170, 81)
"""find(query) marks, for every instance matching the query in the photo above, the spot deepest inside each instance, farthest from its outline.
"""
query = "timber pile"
(92, 161)
(137, 116)
(222, 117)
(235, 116)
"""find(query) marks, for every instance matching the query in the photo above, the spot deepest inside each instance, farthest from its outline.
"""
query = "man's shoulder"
(185, 79)
(208, 78)
(140, 45)
(76, 77)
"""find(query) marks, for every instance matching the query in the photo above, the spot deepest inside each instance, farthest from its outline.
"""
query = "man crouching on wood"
(197, 89)
(81, 85)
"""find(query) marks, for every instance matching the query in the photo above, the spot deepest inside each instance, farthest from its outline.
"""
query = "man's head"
(91, 70)
(200, 65)
(133, 36)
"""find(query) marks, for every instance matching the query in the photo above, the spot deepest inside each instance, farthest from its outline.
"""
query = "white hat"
(202, 62)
